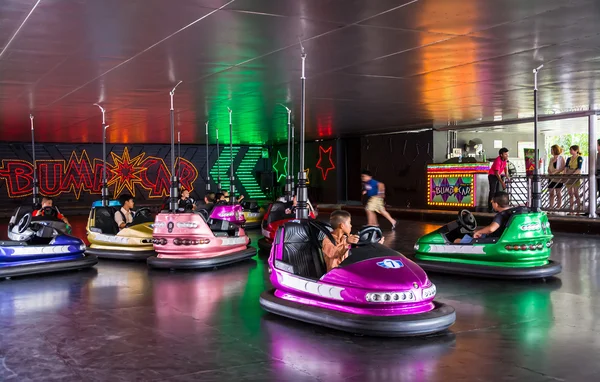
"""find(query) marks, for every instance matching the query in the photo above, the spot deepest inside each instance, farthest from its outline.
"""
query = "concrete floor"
(122, 321)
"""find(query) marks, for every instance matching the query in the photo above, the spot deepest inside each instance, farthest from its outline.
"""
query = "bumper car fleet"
(520, 251)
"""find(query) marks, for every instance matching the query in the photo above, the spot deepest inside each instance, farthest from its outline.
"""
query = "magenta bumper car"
(196, 240)
(375, 291)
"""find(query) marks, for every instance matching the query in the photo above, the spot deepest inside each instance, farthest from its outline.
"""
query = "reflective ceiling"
(372, 66)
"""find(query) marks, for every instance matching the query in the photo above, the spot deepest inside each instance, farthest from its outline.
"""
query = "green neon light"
(222, 165)
(280, 166)
(245, 173)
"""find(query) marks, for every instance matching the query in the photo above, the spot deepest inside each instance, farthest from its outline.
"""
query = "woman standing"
(573, 167)
(556, 166)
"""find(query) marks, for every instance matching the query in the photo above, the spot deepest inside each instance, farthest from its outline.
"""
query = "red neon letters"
(79, 174)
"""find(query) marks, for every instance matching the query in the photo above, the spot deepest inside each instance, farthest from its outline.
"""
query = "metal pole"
(288, 181)
(179, 155)
(35, 191)
(174, 192)
(218, 164)
(536, 197)
(207, 162)
(593, 200)
(293, 149)
(302, 208)
(104, 180)
(231, 173)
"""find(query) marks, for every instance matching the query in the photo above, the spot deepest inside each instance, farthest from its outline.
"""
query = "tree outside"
(567, 140)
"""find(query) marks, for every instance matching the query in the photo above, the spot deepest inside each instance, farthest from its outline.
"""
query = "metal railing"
(570, 193)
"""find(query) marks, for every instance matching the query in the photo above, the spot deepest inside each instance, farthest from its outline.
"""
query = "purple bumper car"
(375, 291)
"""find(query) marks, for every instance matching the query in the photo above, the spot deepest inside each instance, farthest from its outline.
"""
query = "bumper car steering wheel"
(144, 211)
(467, 220)
(24, 223)
(51, 212)
(369, 235)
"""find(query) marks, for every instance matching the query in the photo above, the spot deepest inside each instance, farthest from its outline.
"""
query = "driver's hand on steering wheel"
(477, 235)
(352, 239)
(382, 240)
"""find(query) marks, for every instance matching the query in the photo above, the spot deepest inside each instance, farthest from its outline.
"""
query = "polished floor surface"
(123, 322)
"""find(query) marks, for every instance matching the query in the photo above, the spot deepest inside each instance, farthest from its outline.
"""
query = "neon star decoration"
(280, 166)
(125, 172)
(325, 165)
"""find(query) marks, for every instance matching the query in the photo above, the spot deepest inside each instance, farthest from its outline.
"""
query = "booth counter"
(458, 185)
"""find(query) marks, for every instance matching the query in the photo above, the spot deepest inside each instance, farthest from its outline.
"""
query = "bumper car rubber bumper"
(200, 263)
(254, 225)
(264, 245)
(437, 320)
(48, 267)
(548, 270)
(116, 254)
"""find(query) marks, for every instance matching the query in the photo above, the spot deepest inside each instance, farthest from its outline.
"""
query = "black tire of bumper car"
(56, 266)
(120, 255)
(548, 270)
(211, 262)
(437, 320)
(264, 245)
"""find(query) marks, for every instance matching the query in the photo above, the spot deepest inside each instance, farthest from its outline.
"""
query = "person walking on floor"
(498, 175)
(375, 191)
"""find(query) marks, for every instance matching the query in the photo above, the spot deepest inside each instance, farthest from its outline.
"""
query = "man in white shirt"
(125, 215)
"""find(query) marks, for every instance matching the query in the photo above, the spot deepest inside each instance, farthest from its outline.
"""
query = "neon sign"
(329, 165)
(280, 166)
(79, 173)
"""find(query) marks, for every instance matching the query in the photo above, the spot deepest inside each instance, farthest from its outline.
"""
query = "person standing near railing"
(498, 175)
(573, 167)
(556, 166)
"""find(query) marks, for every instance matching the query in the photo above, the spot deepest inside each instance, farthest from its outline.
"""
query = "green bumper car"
(519, 250)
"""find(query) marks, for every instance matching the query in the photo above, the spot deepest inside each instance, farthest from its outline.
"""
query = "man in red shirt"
(47, 202)
(498, 169)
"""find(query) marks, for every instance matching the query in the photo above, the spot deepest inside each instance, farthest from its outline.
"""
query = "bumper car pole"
(288, 181)
(174, 181)
(293, 153)
(231, 173)
(35, 191)
(207, 162)
(302, 207)
(218, 163)
(179, 155)
(536, 198)
(104, 181)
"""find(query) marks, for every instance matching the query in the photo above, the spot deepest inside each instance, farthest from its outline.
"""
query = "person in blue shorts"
(375, 191)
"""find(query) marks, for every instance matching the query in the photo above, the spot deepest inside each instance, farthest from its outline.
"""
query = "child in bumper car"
(334, 254)
(500, 204)
(48, 203)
